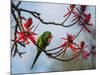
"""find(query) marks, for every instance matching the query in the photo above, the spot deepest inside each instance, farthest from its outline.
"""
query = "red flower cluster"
(70, 10)
(74, 47)
(72, 6)
(68, 43)
(81, 48)
(24, 36)
(86, 21)
(80, 16)
(28, 24)
(83, 18)
(83, 8)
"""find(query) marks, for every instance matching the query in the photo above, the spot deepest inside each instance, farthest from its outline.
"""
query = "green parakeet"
(43, 41)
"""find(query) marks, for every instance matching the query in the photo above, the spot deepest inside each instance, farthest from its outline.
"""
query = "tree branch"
(50, 55)
(37, 15)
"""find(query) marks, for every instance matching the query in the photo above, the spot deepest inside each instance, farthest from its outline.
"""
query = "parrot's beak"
(51, 36)
(50, 39)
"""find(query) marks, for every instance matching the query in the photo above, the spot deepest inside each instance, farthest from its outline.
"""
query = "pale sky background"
(51, 12)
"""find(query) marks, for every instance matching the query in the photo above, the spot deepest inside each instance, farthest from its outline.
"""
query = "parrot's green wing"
(39, 43)
(42, 42)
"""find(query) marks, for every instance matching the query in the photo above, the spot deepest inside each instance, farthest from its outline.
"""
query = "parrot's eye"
(49, 35)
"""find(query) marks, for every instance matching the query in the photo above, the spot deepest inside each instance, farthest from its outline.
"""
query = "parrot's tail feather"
(36, 57)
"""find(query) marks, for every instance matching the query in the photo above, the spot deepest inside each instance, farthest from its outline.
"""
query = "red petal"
(73, 48)
(64, 38)
(76, 18)
(66, 14)
(65, 48)
(86, 28)
(85, 56)
(82, 44)
(87, 53)
(83, 8)
(87, 18)
(32, 39)
(28, 23)
(72, 6)
(63, 45)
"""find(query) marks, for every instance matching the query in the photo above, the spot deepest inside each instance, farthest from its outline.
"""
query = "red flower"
(86, 21)
(83, 8)
(25, 36)
(87, 18)
(84, 53)
(28, 24)
(72, 6)
(68, 43)
(83, 20)
(70, 10)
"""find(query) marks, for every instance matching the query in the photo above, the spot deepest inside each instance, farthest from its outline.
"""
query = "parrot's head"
(48, 36)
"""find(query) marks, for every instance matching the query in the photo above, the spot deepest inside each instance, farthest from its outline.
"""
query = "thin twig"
(78, 32)
(56, 52)
(53, 49)
(66, 19)
(19, 15)
(15, 18)
(35, 28)
(18, 4)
